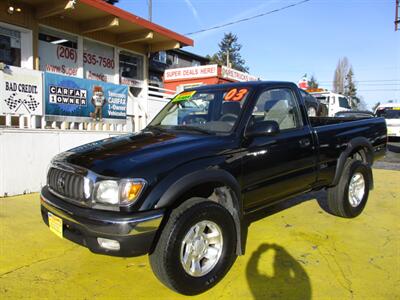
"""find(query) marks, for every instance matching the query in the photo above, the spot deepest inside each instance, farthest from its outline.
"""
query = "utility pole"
(227, 59)
(397, 18)
(150, 10)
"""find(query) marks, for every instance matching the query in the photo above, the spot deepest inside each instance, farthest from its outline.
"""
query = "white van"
(391, 113)
(334, 102)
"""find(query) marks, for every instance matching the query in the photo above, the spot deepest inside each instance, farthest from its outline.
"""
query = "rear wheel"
(350, 196)
(196, 248)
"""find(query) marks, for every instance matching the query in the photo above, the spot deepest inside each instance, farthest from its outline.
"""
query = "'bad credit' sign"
(21, 92)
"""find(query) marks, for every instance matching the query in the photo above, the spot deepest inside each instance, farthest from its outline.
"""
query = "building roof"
(98, 16)
(192, 55)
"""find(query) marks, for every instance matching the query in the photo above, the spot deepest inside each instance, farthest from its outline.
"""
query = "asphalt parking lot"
(298, 253)
(392, 157)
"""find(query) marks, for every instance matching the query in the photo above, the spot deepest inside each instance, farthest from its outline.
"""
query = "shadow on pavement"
(393, 148)
(288, 280)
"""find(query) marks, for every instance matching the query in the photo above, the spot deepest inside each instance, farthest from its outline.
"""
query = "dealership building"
(71, 71)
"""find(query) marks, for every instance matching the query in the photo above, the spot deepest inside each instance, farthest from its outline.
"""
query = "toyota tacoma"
(184, 189)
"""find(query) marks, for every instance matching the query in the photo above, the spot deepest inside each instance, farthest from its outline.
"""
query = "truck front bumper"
(134, 232)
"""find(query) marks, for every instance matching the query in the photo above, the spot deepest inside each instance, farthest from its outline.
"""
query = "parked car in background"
(356, 114)
(391, 113)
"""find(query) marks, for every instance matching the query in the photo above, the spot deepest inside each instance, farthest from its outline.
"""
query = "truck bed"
(321, 121)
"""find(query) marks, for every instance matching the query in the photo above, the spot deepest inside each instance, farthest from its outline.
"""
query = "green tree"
(313, 83)
(229, 53)
(350, 89)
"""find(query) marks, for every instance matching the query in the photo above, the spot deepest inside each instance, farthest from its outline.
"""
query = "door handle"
(304, 143)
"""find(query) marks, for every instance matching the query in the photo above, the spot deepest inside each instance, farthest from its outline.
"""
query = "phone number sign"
(98, 61)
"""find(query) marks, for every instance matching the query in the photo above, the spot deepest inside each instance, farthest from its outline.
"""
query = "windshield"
(389, 113)
(210, 111)
(343, 102)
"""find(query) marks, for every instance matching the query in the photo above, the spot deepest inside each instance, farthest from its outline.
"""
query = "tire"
(349, 205)
(166, 258)
(312, 111)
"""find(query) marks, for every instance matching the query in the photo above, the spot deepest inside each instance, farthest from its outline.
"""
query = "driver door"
(278, 166)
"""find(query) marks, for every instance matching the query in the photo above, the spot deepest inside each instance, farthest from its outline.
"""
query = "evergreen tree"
(229, 53)
(313, 83)
(350, 89)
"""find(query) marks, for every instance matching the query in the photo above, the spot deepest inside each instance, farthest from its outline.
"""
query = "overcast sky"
(309, 38)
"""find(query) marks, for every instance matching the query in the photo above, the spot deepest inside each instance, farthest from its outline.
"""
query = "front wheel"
(196, 248)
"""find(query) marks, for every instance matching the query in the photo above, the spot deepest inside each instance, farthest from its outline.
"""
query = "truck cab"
(391, 113)
(333, 101)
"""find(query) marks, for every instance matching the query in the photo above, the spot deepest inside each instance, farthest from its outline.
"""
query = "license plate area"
(55, 224)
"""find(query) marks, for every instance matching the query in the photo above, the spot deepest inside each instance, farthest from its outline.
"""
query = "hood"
(144, 154)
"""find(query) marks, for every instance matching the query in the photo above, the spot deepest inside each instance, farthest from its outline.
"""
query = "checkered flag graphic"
(15, 103)
(31, 104)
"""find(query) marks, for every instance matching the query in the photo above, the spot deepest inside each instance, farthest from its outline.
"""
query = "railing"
(157, 98)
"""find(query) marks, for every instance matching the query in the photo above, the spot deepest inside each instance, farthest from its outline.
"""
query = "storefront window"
(131, 69)
(58, 52)
(10, 47)
(98, 61)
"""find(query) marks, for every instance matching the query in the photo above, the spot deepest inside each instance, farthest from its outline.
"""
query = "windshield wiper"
(193, 128)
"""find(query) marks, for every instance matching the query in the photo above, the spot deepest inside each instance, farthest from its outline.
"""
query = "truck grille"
(66, 184)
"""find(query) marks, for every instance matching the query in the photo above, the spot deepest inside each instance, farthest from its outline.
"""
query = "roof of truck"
(242, 84)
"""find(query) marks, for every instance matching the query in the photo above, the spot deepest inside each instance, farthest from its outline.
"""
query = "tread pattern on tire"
(158, 257)
(336, 194)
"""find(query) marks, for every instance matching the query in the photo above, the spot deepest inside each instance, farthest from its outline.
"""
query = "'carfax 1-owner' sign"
(75, 97)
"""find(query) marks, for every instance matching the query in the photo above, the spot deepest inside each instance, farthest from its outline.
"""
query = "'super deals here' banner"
(76, 97)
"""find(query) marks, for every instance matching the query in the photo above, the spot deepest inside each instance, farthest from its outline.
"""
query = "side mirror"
(264, 128)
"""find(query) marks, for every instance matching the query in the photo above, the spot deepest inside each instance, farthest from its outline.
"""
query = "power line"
(380, 90)
(371, 80)
(249, 18)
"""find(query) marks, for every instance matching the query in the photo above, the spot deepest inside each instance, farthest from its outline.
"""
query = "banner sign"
(21, 91)
(98, 61)
(75, 97)
(191, 72)
(236, 75)
(58, 59)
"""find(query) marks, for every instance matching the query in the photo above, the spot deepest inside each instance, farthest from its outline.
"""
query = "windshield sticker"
(184, 96)
(235, 94)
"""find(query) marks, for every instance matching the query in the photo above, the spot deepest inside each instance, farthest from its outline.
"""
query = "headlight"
(123, 192)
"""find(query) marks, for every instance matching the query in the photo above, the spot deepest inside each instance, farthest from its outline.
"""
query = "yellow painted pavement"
(298, 253)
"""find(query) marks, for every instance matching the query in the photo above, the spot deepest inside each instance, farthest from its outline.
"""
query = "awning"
(93, 18)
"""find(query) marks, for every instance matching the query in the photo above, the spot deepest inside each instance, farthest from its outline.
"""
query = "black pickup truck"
(185, 188)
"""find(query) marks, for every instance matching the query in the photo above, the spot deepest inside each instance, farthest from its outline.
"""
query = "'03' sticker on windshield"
(235, 94)
(184, 96)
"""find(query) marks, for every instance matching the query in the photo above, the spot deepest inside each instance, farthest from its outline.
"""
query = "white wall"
(25, 155)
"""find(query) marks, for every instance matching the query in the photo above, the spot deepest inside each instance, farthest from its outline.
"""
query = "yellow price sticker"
(184, 96)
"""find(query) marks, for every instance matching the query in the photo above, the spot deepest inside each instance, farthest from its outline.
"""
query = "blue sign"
(76, 97)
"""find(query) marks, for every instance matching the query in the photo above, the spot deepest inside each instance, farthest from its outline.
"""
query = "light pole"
(150, 2)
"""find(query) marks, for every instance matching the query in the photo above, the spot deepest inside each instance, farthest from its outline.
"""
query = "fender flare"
(193, 179)
(358, 142)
